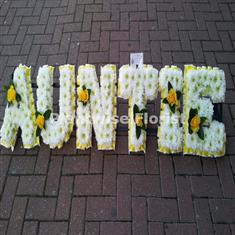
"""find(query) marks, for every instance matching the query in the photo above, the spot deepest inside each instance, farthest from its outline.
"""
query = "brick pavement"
(66, 191)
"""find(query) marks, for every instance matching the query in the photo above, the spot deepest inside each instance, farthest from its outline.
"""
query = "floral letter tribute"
(202, 135)
(20, 111)
(170, 134)
(138, 85)
(55, 132)
(96, 105)
(195, 132)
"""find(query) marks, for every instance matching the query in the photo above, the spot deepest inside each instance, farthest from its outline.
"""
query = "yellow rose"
(40, 121)
(172, 97)
(139, 120)
(83, 95)
(195, 123)
(11, 94)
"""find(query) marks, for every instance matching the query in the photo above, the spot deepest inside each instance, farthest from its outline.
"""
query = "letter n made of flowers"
(96, 105)
(137, 85)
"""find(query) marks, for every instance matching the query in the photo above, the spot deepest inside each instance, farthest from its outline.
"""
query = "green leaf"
(47, 114)
(190, 130)
(18, 98)
(38, 113)
(172, 108)
(84, 87)
(38, 132)
(201, 133)
(164, 101)
(143, 111)
(89, 92)
(143, 127)
(192, 113)
(138, 132)
(135, 109)
(169, 86)
(178, 94)
(203, 119)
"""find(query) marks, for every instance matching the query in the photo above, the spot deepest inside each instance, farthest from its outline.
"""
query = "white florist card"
(137, 59)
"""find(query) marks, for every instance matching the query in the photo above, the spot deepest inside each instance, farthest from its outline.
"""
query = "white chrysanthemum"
(204, 107)
(192, 141)
(84, 134)
(7, 132)
(126, 76)
(172, 75)
(218, 86)
(150, 82)
(214, 141)
(170, 136)
(137, 142)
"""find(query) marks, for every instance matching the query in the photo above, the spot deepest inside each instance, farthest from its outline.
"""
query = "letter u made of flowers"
(203, 136)
(170, 133)
(55, 129)
(20, 111)
(96, 105)
(138, 85)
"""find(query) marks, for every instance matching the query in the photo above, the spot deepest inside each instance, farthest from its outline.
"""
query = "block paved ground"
(65, 191)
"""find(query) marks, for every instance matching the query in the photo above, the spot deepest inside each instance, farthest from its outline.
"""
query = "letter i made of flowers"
(170, 133)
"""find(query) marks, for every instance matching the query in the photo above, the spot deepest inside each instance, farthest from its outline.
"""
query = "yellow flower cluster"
(40, 121)
(11, 94)
(139, 120)
(195, 123)
(83, 95)
(172, 97)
